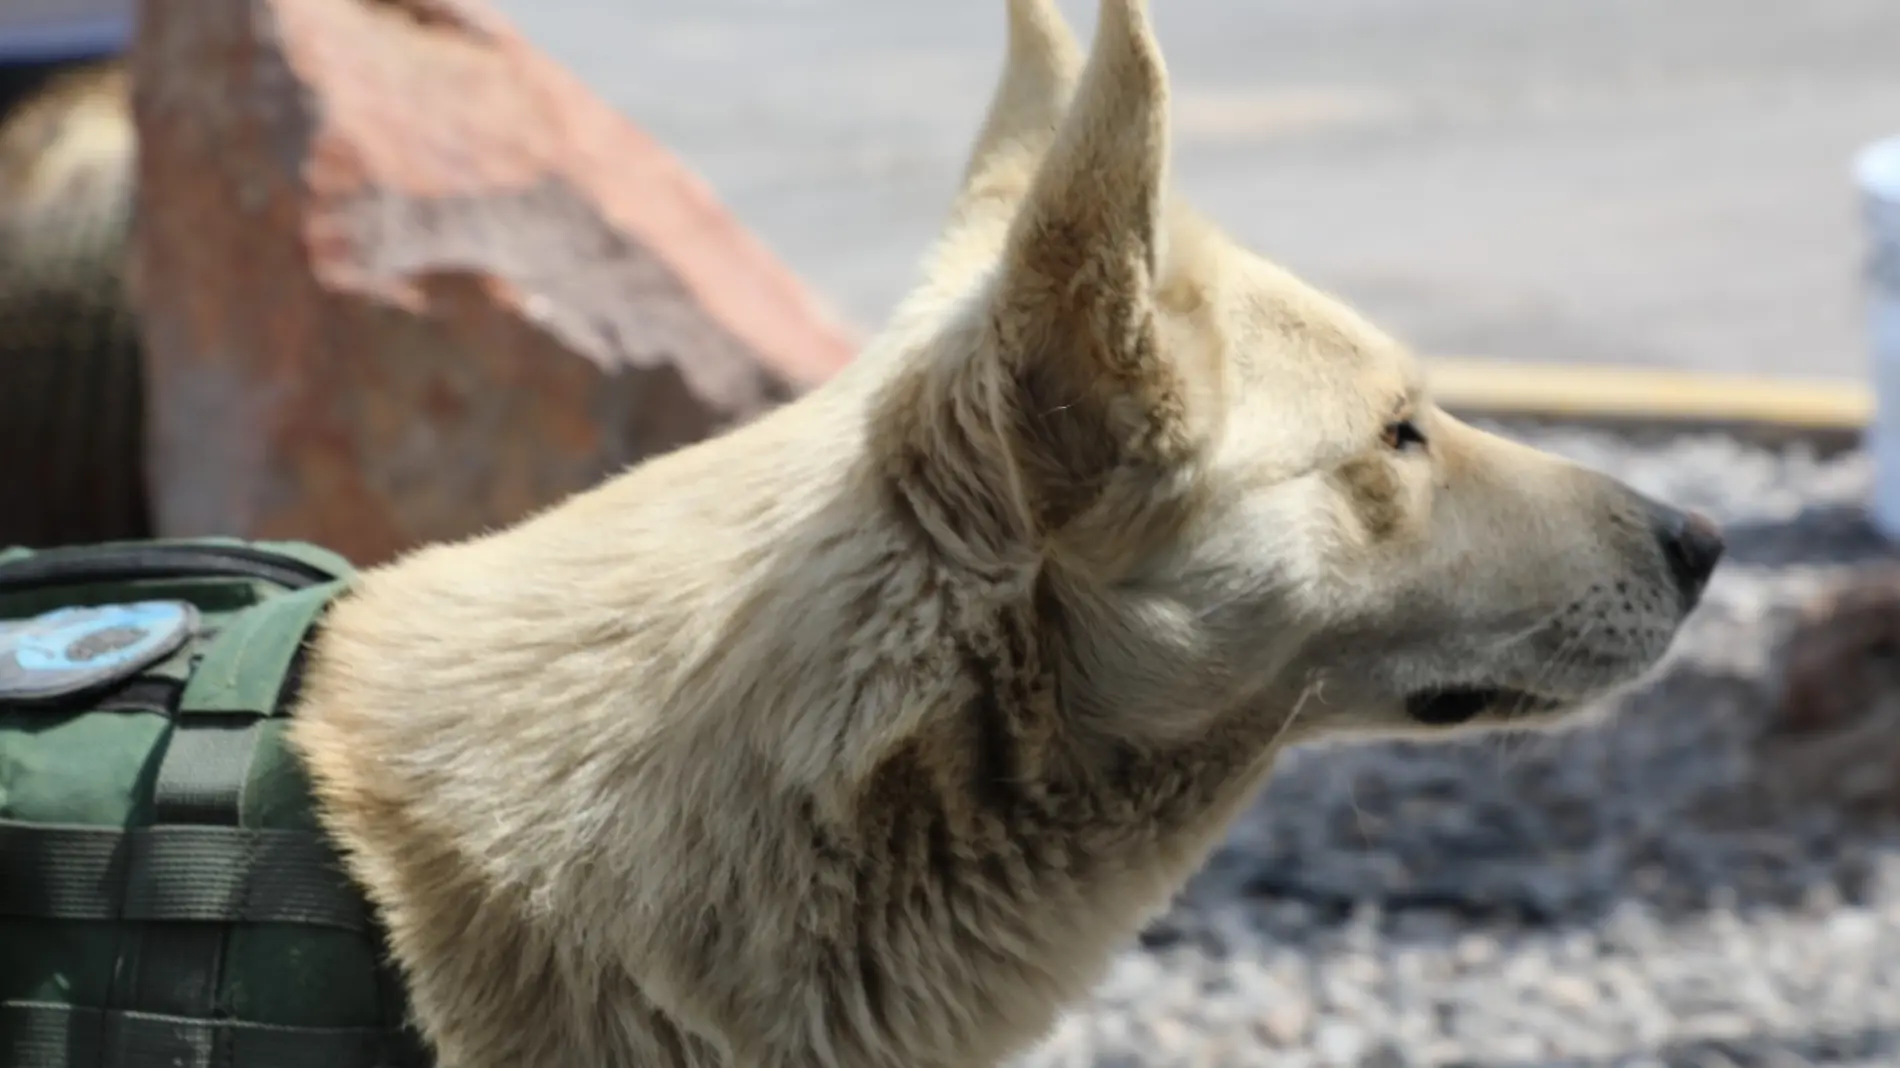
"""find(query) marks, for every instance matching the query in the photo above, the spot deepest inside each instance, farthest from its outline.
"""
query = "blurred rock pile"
(398, 277)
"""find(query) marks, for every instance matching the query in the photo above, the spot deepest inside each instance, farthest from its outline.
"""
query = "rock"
(1841, 655)
(70, 391)
(1570, 993)
(1285, 1022)
(1339, 1043)
(1834, 731)
(403, 278)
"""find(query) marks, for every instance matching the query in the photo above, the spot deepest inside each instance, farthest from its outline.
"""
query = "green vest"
(166, 895)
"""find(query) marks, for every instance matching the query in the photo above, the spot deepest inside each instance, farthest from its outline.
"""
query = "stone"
(1833, 735)
(1339, 1043)
(402, 278)
(1571, 993)
(1285, 1022)
(1841, 654)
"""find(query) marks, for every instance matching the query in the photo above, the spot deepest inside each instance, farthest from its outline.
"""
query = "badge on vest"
(73, 650)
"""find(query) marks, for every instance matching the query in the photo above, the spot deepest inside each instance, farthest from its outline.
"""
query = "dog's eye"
(1403, 435)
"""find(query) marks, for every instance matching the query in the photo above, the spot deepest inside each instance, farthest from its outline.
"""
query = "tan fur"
(866, 733)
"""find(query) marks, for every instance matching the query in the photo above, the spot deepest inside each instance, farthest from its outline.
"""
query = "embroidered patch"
(73, 650)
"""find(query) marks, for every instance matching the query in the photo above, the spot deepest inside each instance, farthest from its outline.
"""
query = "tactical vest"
(166, 895)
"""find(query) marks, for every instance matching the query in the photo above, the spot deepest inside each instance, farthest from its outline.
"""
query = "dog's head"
(1230, 484)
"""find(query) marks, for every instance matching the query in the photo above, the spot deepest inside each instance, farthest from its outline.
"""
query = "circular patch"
(72, 650)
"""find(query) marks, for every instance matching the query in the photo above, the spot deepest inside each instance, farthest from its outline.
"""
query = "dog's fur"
(866, 733)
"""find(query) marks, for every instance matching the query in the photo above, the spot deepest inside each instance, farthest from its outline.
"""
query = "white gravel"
(1625, 894)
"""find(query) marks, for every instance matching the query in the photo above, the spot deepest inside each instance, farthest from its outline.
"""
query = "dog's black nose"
(1692, 544)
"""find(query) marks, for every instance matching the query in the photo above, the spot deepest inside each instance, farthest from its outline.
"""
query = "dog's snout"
(1692, 544)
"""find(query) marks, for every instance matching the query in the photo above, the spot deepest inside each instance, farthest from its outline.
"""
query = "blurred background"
(375, 272)
(1605, 181)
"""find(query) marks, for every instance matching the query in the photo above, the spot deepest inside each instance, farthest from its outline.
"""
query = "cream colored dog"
(865, 734)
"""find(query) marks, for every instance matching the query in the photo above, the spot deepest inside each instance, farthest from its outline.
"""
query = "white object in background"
(1877, 172)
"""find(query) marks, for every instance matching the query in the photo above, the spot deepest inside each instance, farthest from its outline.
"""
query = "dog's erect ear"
(1053, 393)
(1039, 76)
(1086, 391)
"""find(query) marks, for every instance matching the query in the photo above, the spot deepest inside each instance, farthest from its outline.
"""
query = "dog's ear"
(1039, 77)
(1085, 391)
(1049, 390)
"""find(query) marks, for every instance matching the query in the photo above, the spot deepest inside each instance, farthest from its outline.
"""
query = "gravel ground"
(1632, 892)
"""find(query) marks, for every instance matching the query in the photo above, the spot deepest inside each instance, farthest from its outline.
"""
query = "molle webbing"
(195, 869)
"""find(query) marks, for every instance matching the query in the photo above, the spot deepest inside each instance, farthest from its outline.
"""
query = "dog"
(866, 733)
